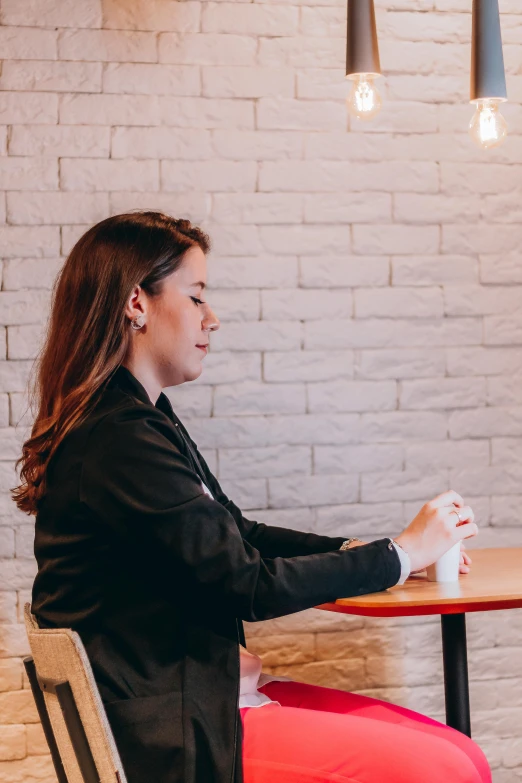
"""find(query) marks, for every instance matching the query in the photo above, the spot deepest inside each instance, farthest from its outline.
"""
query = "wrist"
(351, 543)
(400, 543)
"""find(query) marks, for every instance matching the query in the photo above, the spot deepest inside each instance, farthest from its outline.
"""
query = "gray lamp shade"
(362, 46)
(488, 78)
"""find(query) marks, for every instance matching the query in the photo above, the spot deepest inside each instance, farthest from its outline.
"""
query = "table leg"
(456, 684)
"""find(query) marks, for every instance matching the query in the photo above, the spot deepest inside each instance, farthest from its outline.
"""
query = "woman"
(141, 552)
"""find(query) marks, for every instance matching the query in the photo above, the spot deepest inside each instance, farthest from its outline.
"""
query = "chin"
(192, 375)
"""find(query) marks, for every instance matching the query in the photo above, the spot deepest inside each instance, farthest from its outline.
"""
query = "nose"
(211, 322)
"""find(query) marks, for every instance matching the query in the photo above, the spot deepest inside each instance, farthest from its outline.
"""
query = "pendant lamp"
(362, 59)
(488, 79)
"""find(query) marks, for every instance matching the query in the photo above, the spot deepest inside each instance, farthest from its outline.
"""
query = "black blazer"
(156, 577)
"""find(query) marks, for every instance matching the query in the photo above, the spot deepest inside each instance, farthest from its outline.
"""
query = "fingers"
(467, 530)
(461, 515)
(449, 498)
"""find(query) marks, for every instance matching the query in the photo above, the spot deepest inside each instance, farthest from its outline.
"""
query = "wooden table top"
(495, 582)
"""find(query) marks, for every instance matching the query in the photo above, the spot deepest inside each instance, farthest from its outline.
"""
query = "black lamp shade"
(362, 46)
(488, 78)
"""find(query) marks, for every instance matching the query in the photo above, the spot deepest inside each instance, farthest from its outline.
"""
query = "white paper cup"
(446, 568)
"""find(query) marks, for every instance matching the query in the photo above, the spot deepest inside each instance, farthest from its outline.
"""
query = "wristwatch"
(346, 544)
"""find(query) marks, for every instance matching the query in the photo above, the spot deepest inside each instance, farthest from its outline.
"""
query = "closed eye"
(197, 301)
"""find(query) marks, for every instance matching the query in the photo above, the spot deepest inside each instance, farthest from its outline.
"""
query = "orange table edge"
(494, 583)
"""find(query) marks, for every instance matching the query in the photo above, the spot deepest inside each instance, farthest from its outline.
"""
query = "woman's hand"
(465, 560)
(436, 528)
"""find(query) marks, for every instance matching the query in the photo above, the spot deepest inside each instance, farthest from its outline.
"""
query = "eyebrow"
(195, 285)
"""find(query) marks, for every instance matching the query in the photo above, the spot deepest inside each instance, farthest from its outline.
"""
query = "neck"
(146, 376)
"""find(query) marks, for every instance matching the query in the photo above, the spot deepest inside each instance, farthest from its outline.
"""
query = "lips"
(203, 347)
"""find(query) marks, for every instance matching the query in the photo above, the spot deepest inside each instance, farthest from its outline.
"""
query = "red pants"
(321, 735)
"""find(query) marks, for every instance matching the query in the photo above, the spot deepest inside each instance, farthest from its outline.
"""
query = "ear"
(135, 303)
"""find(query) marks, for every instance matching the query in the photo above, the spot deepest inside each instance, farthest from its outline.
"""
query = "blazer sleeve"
(270, 540)
(138, 484)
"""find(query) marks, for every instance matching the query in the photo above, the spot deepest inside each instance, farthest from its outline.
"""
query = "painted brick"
(333, 177)
(10, 674)
(357, 459)
(157, 143)
(257, 145)
(59, 141)
(47, 76)
(313, 490)
(434, 270)
(36, 173)
(236, 305)
(483, 360)
(338, 396)
(28, 44)
(331, 272)
(207, 49)
(205, 113)
(248, 19)
(249, 398)
(264, 462)
(384, 240)
(28, 108)
(261, 208)
(194, 206)
(437, 208)
(138, 79)
(302, 51)
(388, 302)
(50, 13)
(404, 363)
(396, 426)
(501, 269)
(347, 208)
(28, 242)
(222, 81)
(443, 393)
(404, 485)
(36, 742)
(447, 454)
(306, 239)
(305, 305)
(291, 114)
(41, 272)
(108, 110)
(257, 272)
(158, 15)
(56, 208)
(387, 333)
(208, 176)
(102, 175)
(307, 366)
(107, 46)
(231, 367)
(13, 743)
(479, 239)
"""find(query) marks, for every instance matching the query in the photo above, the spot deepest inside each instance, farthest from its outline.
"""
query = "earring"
(138, 321)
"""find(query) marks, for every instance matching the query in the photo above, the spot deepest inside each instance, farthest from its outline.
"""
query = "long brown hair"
(88, 332)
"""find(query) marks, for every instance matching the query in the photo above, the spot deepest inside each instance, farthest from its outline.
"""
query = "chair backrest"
(73, 703)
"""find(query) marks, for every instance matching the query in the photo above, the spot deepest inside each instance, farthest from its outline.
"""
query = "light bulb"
(364, 100)
(488, 127)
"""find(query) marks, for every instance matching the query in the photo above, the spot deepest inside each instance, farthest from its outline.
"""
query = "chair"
(70, 708)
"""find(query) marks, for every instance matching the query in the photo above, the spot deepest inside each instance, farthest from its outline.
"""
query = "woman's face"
(178, 323)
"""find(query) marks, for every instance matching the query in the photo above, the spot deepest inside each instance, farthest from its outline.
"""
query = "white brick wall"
(368, 279)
